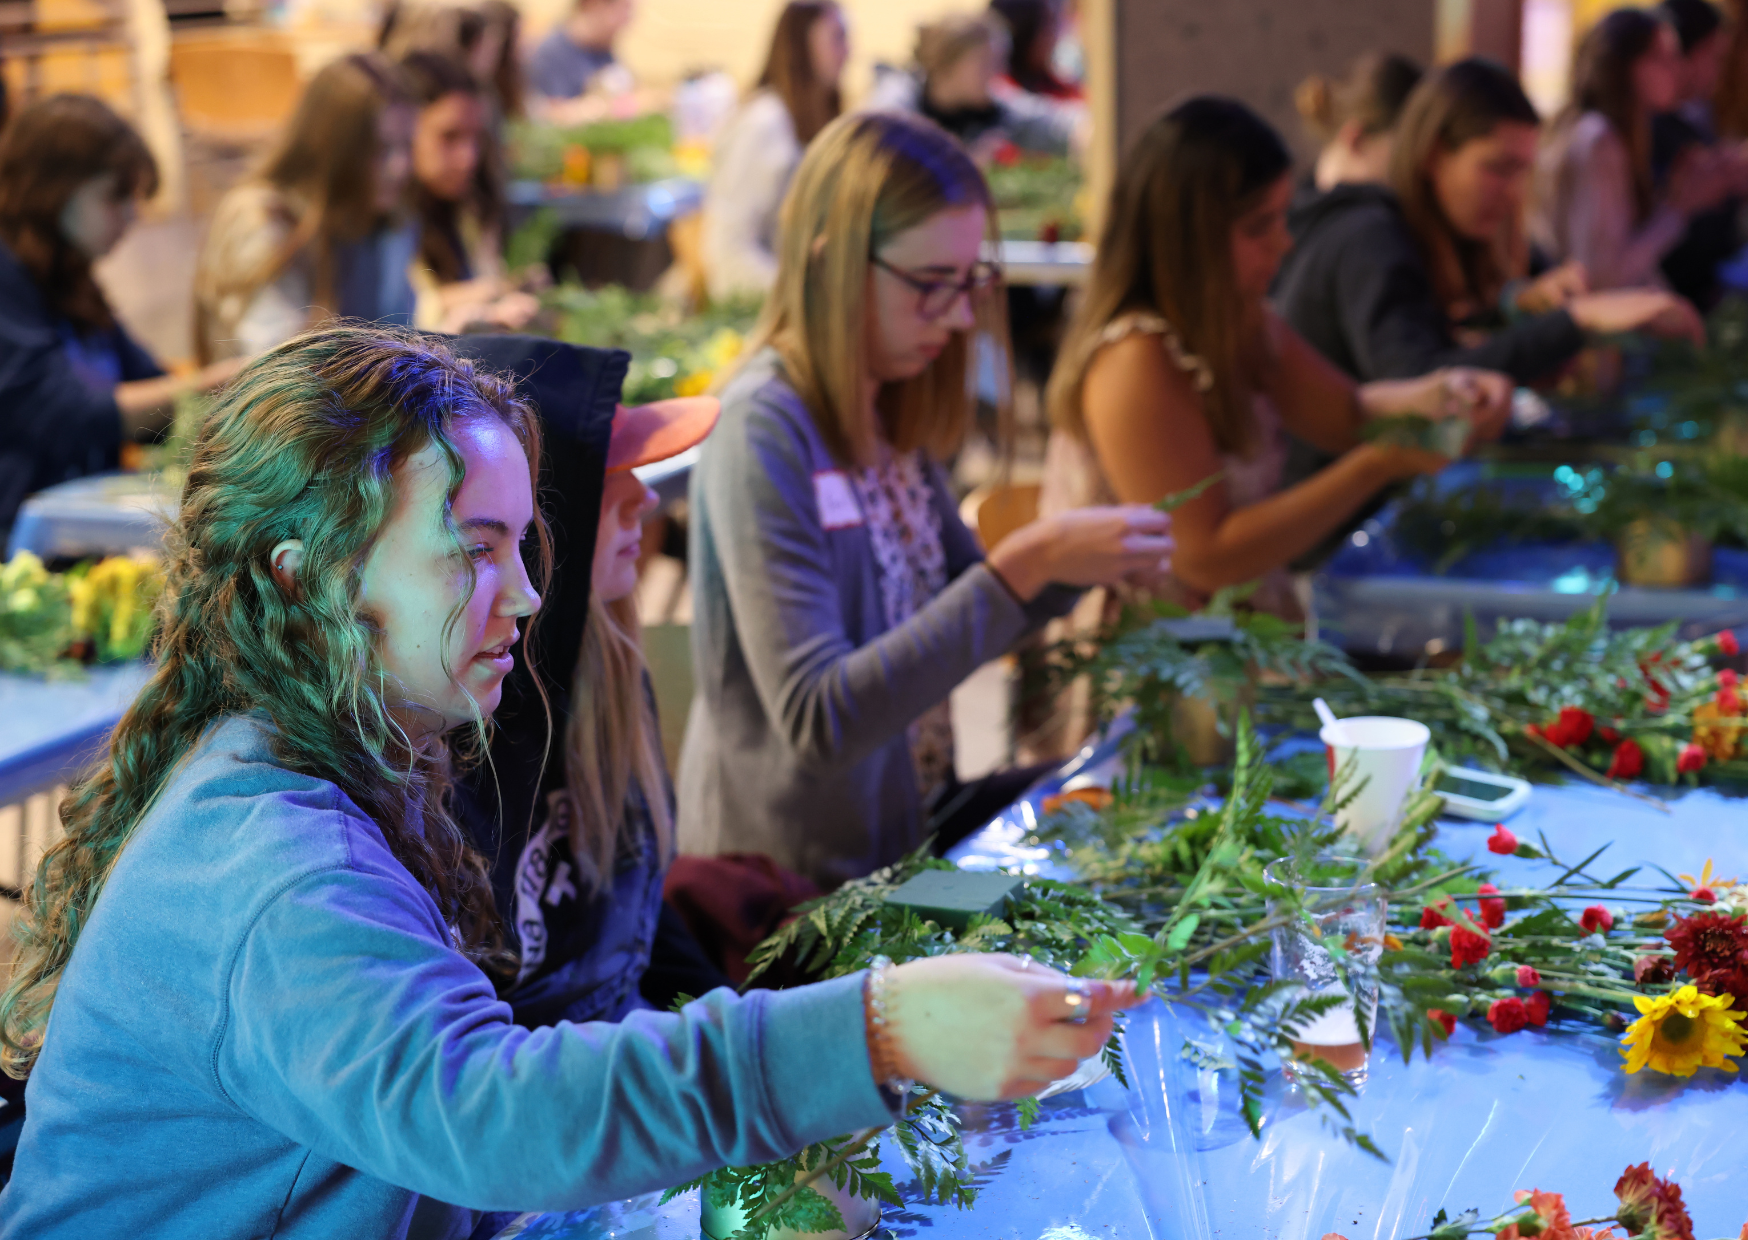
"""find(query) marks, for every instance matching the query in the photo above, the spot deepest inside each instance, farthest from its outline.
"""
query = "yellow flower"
(695, 384)
(1707, 879)
(1681, 1033)
(1720, 741)
(723, 347)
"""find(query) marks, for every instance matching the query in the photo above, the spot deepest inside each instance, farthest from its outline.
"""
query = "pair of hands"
(1084, 547)
(1655, 311)
(1482, 397)
(989, 1027)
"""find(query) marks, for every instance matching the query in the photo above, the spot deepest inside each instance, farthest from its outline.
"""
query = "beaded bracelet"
(881, 1056)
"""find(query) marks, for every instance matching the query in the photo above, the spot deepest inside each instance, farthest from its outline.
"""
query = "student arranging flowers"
(260, 939)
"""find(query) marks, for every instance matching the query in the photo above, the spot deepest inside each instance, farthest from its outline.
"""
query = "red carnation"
(1596, 918)
(1729, 701)
(1693, 758)
(1712, 949)
(1628, 761)
(1502, 841)
(1507, 1015)
(1704, 895)
(1468, 947)
(1536, 1007)
(1608, 736)
(1573, 727)
(1527, 976)
(1728, 679)
(1650, 1206)
(1432, 919)
(1442, 1019)
(1727, 643)
(1492, 906)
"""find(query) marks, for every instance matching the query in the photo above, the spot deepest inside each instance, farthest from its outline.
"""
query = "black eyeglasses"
(937, 297)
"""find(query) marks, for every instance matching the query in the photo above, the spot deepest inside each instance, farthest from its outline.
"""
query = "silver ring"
(1077, 994)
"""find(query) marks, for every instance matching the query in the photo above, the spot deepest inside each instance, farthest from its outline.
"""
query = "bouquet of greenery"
(36, 617)
(672, 353)
(1037, 197)
(556, 153)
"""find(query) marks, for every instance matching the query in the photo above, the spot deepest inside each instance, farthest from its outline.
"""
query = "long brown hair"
(612, 746)
(866, 178)
(431, 76)
(1371, 92)
(50, 149)
(1166, 249)
(303, 445)
(323, 168)
(1453, 105)
(788, 73)
(1602, 82)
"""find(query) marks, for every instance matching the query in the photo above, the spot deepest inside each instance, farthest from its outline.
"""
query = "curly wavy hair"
(303, 445)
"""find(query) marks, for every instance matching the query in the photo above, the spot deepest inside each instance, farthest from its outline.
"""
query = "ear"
(285, 560)
(1351, 135)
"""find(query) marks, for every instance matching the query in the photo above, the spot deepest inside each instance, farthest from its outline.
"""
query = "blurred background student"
(1353, 119)
(1597, 200)
(457, 199)
(798, 95)
(1429, 269)
(1034, 34)
(958, 61)
(1712, 236)
(318, 232)
(576, 59)
(73, 383)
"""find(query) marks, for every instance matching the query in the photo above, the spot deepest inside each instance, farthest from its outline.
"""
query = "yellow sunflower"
(1683, 1032)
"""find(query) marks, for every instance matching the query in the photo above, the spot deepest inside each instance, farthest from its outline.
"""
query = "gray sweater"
(797, 746)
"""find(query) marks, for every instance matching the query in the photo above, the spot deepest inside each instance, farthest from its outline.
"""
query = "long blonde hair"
(1167, 250)
(612, 746)
(866, 178)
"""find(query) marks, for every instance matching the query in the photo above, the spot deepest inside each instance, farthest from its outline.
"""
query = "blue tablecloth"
(1169, 1158)
(50, 728)
(1375, 596)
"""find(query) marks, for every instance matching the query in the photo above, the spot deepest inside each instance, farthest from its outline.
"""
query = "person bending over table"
(73, 383)
(837, 597)
(1175, 369)
(1391, 280)
(319, 231)
(575, 808)
(458, 199)
(252, 964)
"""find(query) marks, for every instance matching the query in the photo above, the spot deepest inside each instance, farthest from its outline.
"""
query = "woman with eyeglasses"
(838, 598)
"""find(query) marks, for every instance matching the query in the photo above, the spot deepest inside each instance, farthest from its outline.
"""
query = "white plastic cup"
(1386, 755)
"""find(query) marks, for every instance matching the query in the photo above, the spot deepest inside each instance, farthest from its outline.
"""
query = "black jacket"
(55, 424)
(1356, 287)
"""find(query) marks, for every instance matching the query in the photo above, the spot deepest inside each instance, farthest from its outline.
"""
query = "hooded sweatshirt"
(1357, 287)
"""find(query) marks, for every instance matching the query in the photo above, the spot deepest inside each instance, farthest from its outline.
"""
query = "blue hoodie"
(265, 1030)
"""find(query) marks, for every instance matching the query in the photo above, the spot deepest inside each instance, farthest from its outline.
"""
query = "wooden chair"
(996, 509)
(232, 92)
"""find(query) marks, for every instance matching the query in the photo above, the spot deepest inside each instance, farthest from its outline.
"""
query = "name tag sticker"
(836, 498)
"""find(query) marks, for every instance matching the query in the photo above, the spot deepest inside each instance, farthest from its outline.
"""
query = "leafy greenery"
(1038, 197)
(538, 152)
(1444, 527)
(672, 353)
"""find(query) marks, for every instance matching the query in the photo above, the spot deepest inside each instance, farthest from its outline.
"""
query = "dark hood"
(1312, 208)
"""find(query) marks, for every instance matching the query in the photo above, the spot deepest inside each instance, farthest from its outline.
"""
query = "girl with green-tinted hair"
(248, 992)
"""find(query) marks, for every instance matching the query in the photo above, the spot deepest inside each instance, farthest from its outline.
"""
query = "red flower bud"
(1443, 1020)
(1468, 947)
(1527, 976)
(1609, 736)
(1693, 758)
(1628, 761)
(1705, 895)
(1574, 727)
(1530, 729)
(1502, 841)
(1596, 918)
(1730, 702)
(1508, 1015)
(1537, 1006)
(1492, 910)
(1727, 643)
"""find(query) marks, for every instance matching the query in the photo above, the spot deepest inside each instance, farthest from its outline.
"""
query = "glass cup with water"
(1345, 908)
